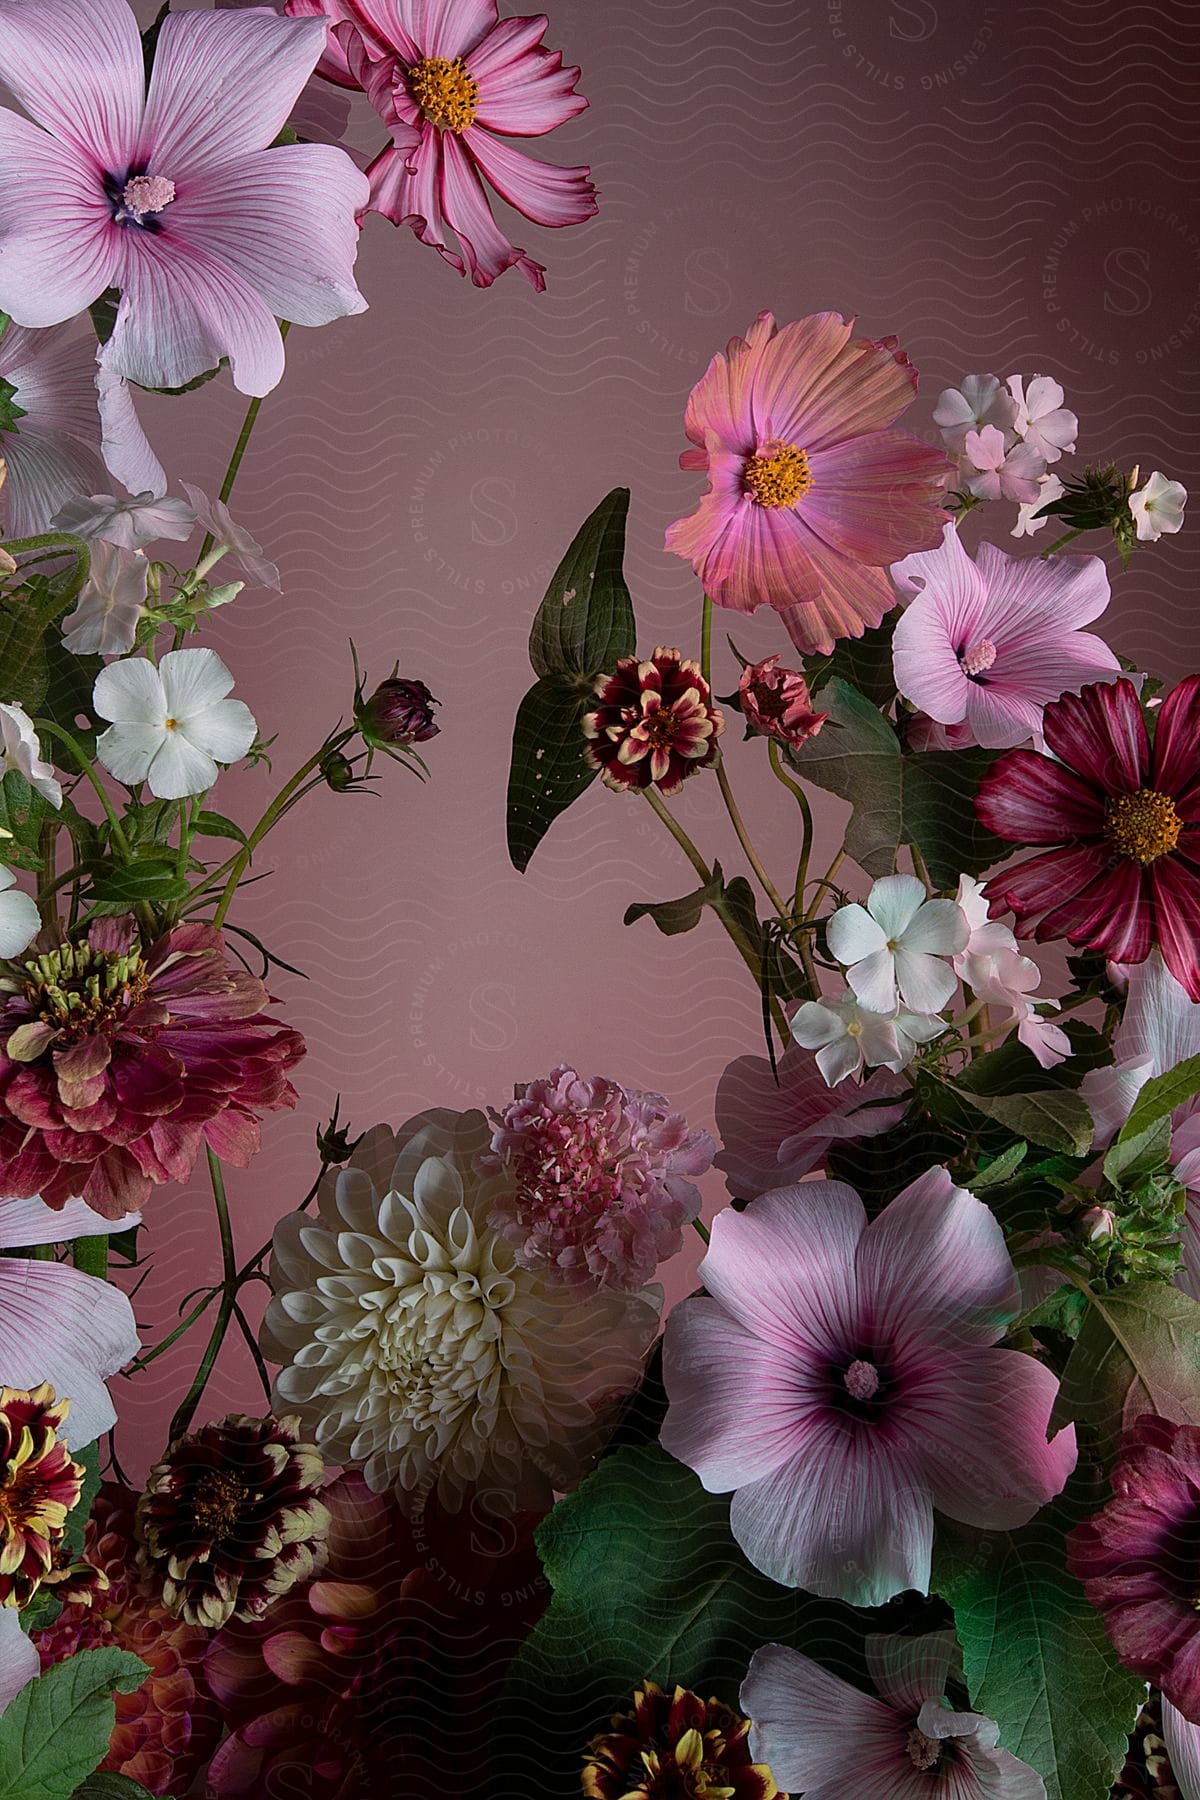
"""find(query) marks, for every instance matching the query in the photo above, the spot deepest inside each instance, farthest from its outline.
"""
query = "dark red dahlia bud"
(399, 713)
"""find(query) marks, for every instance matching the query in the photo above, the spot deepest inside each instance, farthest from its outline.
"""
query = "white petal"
(130, 691)
(180, 768)
(925, 983)
(894, 900)
(874, 981)
(226, 731)
(19, 1660)
(1183, 1748)
(193, 680)
(814, 1025)
(839, 1059)
(127, 751)
(69, 1329)
(852, 934)
(33, 1222)
(20, 921)
(938, 926)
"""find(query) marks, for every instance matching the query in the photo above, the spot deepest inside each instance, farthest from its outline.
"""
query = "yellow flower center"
(217, 1504)
(1144, 825)
(444, 91)
(778, 477)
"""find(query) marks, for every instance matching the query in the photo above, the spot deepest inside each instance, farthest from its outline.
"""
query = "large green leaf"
(1161, 1095)
(56, 1730)
(1036, 1656)
(548, 771)
(865, 662)
(104, 1784)
(1056, 1119)
(1138, 1351)
(585, 623)
(22, 812)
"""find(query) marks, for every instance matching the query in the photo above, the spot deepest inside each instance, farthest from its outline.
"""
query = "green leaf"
(585, 623)
(152, 878)
(999, 1170)
(216, 825)
(548, 771)
(1137, 1351)
(1036, 1656)
(1064, 1311)
(57, 1728)
(676, 916)
(29, 617)
(22, 811)
(1057, 1119)
(1160, 1096)
(67, 699)
(1147, 1152)
(865, 662)
(105, 1784)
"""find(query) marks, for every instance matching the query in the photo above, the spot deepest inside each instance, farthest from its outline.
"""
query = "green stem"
(85, 763)
(678, 833)
(743, 837)
(239, 450)
(229, 1272)
(47, 882)
(801, 798)
(1066, 538)
(272, 815)
(90, 1256)
(920, 867)
(702, 1230)
(706, 618)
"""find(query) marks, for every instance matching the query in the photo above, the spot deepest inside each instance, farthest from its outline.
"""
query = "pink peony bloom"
(998, 471)
(810, 1727)
(600, 1189)
(842, 1378)
(175, 197)
(810, 496)
(773, 1132)
(446, 80)
(991, 642)
(777, 704)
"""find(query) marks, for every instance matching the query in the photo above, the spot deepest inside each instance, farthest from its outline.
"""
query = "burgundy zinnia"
(116, 1065)
(1125, 871)
(675, 1744)
(1139, 1558)
(655, 724)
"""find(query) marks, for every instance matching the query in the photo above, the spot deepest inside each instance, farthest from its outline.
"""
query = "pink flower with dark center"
(451, 83)
(777, 703)
(176, 196)
(1139, 1558)
(810, 495)
(117, 1066)
(842, 1379)
(655, 724)
(599, 1179)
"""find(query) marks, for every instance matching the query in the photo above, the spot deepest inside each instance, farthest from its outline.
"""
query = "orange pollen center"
(444, 91)
(22, 1505)
(1144, 825)
(660, 728)
(217, 1504)
(778, 477)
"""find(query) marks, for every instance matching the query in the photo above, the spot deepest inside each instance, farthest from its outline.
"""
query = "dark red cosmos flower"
(115, 1066)
(655, 724)
(1139, 1558)
(1125, 820)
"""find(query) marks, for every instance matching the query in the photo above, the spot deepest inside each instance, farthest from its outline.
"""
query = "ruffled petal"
(440, 27)
(60, 255)
(76, 67)
(1111, 914)
(544, 192)
(1177, 744)
(873, 498)
(33, 1222)
(816, 385)
(524, 90)
(464, 205)
(933, 1266)
(721, 401)
(909, 1671)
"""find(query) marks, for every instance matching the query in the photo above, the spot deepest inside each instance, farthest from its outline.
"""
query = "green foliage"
(1160, 1096)
(121, 885)
(1138, 1351)
(548, 771)
(1056, 1119)
(29, 616)
(104, 1784)
(22, 812)
(865, 662)
(56, 1730)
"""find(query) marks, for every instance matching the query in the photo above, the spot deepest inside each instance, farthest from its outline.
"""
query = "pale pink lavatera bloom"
(998, 470)
(809, 1726)
(808, 484)
(452, 83)
(174, 196)
(990, 642)
(843, 1379)
(1182, 1739)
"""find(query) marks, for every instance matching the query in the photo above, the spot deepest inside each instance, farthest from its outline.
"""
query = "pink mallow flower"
(842, 1379)
(991, 642)
(810, 494)
(451, 83)
(176, 196)
(776, 703)
(599, 1179)
(811, 1728)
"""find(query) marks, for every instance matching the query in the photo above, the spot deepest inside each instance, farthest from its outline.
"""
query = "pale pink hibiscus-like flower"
(849, 1037)
(989, 643)
(998, 470)
(451, 83)
(894, 948)
(843, 1380)
(176, 196)
(906, 1743)
(810, 493)
(981, 400)
(1042, 421)
(111, 603)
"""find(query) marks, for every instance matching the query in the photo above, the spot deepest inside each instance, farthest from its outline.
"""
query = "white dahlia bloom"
(414, 1347)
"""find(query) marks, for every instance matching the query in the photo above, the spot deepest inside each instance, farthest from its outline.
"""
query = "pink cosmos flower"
(777, 704)
(841, 1377)
(991, 642)
(600, 1186)
(173, 196)
(997, 471)
(445, 80)
(810, 494)
(811, 1727)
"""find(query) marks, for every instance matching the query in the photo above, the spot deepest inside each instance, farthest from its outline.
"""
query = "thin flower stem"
(229, 1271)
(826, 880)
(706, 618)
(85, 763)
(1066, 538)
(678, 833)
(743, 837)
(239, 450)
(801, 798)
(920, 867)
(702, 1230)
(271, 817)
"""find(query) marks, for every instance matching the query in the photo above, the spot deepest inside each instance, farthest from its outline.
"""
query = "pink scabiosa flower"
(1136, 1558)
(119, 1064)
(451, 83)
(810, 495)
(842, 1378)
(175, 196)
(812, 1728)
(655, 724)
(1124, 870)
(777, 704)
(599, 1179)
(991, 642)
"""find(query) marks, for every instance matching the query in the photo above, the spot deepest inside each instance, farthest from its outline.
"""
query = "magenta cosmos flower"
(655, 724)
(810, 496)
(1138, 1557)
(991, 642)
(842, 1379)
(815, 1729)
(445, 80)
(116, 1066)
(173, 196)
(1124, 872)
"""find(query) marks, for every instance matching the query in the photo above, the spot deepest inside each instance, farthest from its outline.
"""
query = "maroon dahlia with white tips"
(655, 724)
(116, 1065)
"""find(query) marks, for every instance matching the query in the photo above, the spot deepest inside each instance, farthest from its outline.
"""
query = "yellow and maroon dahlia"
(39, 1485)
(672, 1745)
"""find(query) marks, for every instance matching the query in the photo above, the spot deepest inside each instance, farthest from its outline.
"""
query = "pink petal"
(1175, 883)
(1031, 799)
(720, 402)
(1110, 913)
(941, 620)
(774, 1132)
(982, 1428)
(545, 193)
(1000, 716)
(1032, 593)
(850, 597)
(60, 255)
(736, 1407)
(19, 1659)
(1042, 668)
(332, 66)
(33, 1222)
(440, 27)
(1160, 1024)
(405, 188)
(43, 472)
(816, 386)
(1101, 733)
(1176, 735)
(125, 446)
(524, 90)
(1029, 887)
(816, 1224)
(76, 67)
(933, 1266)
(464, 206)
(69, 1329)
(804, 1718)
(1183, 1747)
(872, 496)
(909, 1671)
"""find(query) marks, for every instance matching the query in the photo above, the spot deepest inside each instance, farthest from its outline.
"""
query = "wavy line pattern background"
(1007, 187)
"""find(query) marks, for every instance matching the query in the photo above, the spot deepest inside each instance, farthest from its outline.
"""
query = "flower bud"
(1099, 1222)
(338, 772)
(776, 703)
(399, 713)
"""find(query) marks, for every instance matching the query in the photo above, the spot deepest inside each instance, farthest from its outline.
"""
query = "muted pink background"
(1006, 186)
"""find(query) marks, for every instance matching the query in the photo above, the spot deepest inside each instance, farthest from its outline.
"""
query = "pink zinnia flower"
(991, 642)
(813, 1728)
(159, 1054)
(655, 724)
(445, 80)
(599, 1171)
(1124, 872)
(175, 197)
(810, 497)
(1136, 1558)
(841, 1377)
(777, 704)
